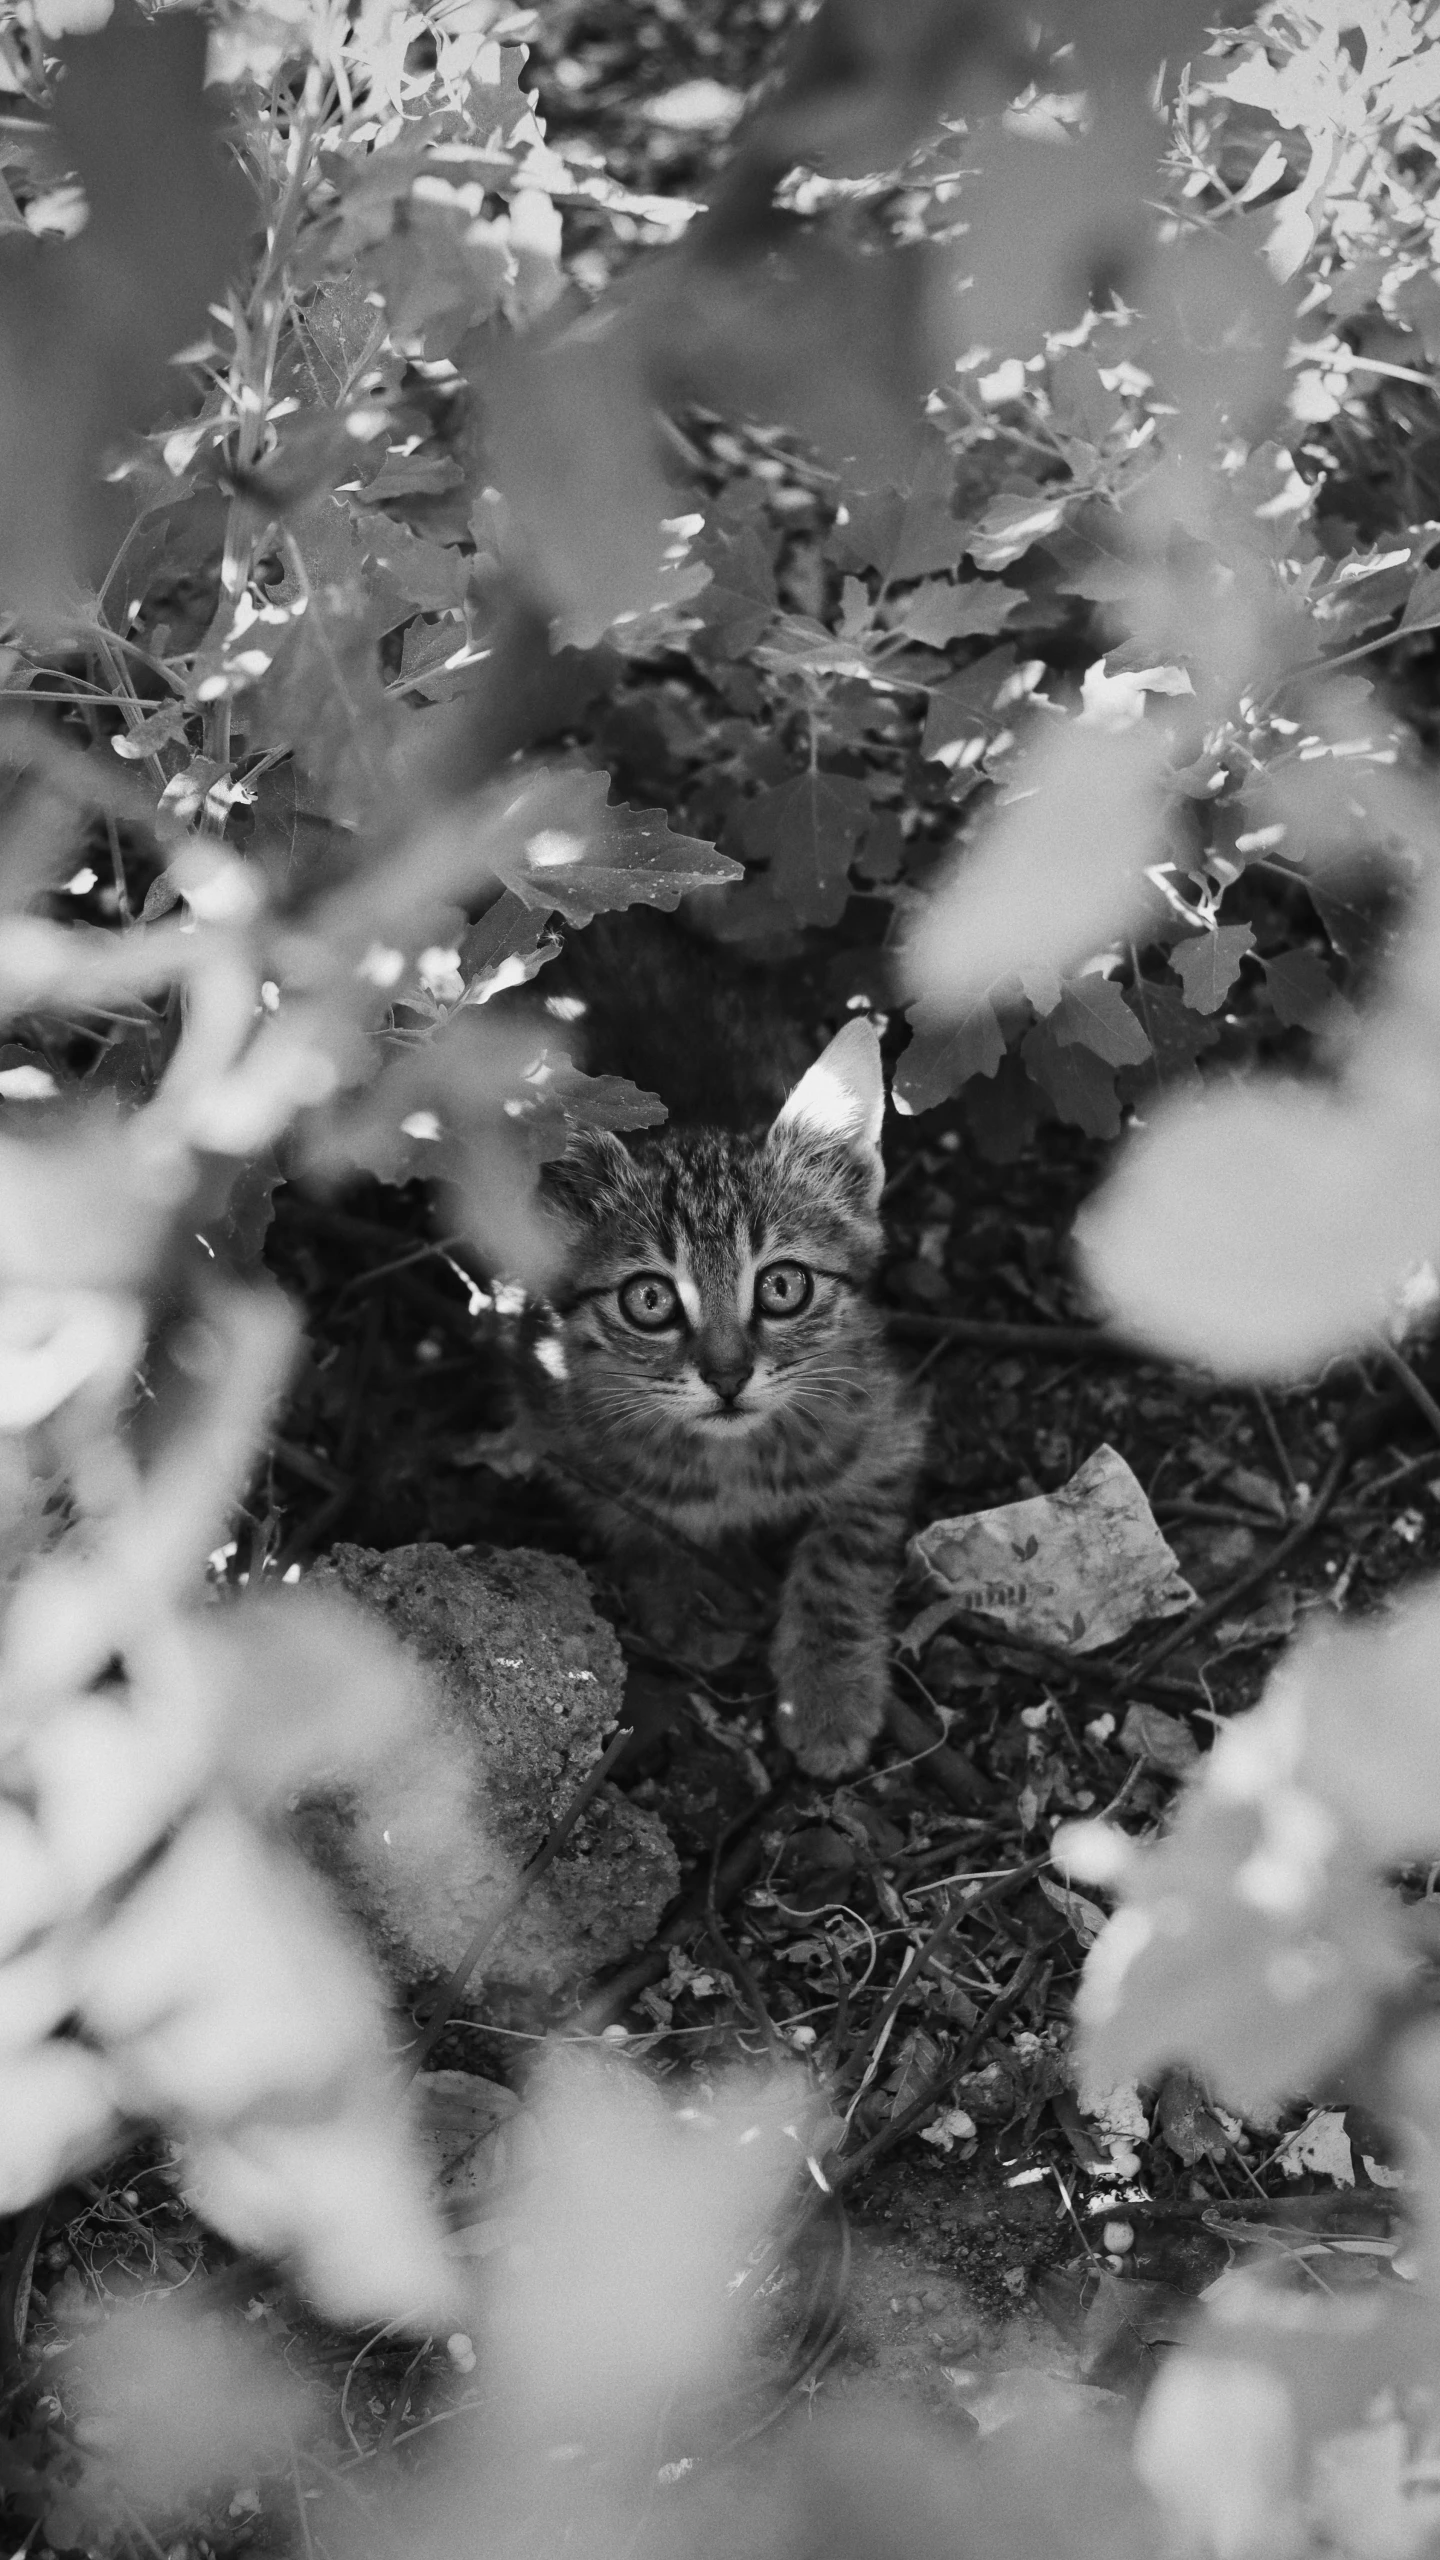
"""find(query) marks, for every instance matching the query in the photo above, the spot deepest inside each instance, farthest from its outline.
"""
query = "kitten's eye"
(783, 1288)
(650, 1302)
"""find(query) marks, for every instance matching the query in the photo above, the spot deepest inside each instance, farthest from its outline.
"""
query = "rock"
(521, 1682)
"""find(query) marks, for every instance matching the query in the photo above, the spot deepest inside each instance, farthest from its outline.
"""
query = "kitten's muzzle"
(726, 1366)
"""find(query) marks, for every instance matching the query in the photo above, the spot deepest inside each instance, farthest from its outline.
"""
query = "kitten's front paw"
(829, 1722)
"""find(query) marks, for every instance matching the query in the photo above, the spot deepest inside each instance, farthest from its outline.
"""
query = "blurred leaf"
(88, 325)
(574, 447)
(1202, 1965)
(945, 1051)
(182, 2404)
(1369, 1745)
(1092, 1011)
(1058, 869)
(1208, 964)
(830, 338)
(1218, 329)
(808, 830)
(303, 1685)
(1261, 1232)
(1053, 225)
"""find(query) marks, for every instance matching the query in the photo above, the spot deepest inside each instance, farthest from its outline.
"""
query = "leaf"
(1301, 989)
(559, 843)
(1188, 2122)
(964, 707)
(1422, 605)
(506, 948)
(321, 698)
(940, 612)
(1085, 1917)
(809, 829)
(1177, 1037)
(1261, 1232)
(1208, 964)
(1077, 1082)
(1093, 1011)
(419, 572)
(1059, 868)
(236, 1234)
(1080, 397)
(929, 534)
(1319, 2147)
(737, 605)
(798, 645)
(870, 532)
(1010, 525)
(945, 1053)
(560, 1098)
(1161, 1740)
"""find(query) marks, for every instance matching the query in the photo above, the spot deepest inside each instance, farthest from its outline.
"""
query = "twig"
(1063, 1340)
(1414, 1386)
(509, 1903)
(745, 1974)
(1272, 1433)
(1079, 1667)
(1224, 1601)
(846, 2171)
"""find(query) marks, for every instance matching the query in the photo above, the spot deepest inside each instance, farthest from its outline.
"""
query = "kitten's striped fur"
(734, 1419)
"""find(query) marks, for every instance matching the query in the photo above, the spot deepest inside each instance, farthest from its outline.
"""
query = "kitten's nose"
(726, 1367)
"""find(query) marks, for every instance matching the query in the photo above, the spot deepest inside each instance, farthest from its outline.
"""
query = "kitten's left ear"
(840, 1101)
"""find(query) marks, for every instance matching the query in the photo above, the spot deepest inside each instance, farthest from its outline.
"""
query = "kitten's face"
(713, 1283)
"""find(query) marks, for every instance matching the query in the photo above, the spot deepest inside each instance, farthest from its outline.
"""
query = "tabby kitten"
(718, 1362)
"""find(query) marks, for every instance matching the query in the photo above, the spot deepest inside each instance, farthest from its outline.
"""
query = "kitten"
(718, 1362)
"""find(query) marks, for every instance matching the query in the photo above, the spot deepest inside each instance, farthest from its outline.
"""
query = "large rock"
(521, 1684)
